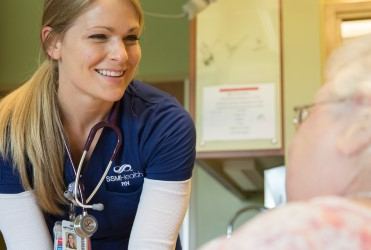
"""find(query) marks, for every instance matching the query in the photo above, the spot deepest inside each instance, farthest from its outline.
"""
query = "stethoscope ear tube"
(97, 206)
(104, 124)
(68, 195)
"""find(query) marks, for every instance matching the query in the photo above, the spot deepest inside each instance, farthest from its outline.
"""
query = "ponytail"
(30, 135)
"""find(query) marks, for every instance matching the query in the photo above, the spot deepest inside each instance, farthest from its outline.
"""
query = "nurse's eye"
(132, 39)
(98, 37)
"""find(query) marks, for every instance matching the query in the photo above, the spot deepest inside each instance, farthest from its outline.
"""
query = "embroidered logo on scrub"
(122, 168)
(124, 173)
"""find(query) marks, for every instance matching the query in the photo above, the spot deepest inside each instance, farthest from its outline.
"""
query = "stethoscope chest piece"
(85, 225)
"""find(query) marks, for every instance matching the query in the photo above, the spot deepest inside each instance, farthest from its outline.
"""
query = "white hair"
(348, 70)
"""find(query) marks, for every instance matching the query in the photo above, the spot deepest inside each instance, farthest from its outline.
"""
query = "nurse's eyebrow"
(112, 29)
(102, 27)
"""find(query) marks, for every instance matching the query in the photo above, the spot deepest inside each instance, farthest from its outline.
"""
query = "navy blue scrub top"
(158, 143)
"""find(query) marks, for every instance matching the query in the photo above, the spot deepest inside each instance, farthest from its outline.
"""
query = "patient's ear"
(52, 44)
(357, 137)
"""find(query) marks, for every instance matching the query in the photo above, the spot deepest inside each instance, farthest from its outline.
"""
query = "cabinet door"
(236, 91)
(236, 72)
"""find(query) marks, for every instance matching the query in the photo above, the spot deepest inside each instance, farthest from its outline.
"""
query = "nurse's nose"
(118, 51)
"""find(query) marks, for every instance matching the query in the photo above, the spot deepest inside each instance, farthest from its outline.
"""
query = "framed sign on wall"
(236, 73)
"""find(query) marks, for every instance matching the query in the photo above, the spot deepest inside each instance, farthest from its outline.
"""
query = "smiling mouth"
(110, 73)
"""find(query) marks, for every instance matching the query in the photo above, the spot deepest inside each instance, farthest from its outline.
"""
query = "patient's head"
(330, 153)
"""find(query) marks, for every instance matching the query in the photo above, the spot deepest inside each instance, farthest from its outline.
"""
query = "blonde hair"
(30, 125)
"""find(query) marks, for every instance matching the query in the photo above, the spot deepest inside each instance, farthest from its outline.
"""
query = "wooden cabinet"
(236, 96)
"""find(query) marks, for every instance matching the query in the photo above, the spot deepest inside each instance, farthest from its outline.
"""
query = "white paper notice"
(239, 112)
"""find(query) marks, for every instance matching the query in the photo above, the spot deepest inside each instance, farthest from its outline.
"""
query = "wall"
(165, 42)
(19, 44)
(302, 56)
(215, 207)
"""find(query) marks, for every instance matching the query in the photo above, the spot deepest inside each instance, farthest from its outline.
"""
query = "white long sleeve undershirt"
(162, 207)
(22, 222)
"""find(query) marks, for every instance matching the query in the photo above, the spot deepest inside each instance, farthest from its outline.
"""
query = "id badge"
(57, 231)
(65, 237)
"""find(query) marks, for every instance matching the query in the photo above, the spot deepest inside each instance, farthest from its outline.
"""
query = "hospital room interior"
(238, 67)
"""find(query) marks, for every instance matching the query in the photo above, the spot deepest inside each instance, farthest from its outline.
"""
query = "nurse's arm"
(161, 210)
(22, 223)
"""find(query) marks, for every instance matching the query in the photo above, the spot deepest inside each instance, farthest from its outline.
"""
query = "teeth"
(110, 73)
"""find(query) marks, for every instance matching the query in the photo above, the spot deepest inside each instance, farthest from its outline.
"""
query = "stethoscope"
(85, 225)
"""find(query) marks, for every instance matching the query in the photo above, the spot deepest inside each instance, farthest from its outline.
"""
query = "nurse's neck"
(77, 120)
(82, 116)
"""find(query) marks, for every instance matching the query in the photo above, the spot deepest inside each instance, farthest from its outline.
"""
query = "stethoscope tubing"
(111, 123)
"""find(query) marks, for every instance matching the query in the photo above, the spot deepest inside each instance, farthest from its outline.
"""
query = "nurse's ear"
(52, 45)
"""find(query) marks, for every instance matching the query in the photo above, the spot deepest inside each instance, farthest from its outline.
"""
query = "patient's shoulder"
(323, 223)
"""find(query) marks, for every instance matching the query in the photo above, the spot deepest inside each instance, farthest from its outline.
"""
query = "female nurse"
(92, 53)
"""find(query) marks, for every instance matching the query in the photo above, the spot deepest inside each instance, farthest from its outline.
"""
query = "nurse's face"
(99, 54)
(71, 239)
